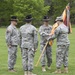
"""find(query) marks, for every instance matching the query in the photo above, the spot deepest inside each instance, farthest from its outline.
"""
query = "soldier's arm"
(8, 36)
(48, 35)
(56, 33)
(42, 32)
(20, 38)
(35, 39)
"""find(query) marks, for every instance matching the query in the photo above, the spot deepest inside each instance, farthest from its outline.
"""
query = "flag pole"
(42, 53)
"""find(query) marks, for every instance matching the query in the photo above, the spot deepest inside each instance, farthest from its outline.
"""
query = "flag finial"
(68, 4)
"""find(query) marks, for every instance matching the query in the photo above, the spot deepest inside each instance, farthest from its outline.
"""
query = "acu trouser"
(47, 53)
(12, 55)
(27, 59)
(62, 56)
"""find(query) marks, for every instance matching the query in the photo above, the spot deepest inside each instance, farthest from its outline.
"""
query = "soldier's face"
(46, 23)
(15, 23)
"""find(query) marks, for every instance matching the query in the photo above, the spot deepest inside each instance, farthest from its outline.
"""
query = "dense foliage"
(37, 8)
(57, 7)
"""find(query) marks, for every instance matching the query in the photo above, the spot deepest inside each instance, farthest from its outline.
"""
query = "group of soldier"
(27, 38)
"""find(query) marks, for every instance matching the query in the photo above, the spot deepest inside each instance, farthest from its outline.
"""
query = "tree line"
(37, 8)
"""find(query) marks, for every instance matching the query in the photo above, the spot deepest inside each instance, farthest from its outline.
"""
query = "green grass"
(37, 70)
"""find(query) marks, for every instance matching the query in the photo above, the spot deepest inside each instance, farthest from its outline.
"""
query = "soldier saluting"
(12, 42)
(28, 44)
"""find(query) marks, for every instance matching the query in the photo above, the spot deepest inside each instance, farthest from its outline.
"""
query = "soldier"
(28, 44)
(61, 33)
(44, 31)
(12, 42)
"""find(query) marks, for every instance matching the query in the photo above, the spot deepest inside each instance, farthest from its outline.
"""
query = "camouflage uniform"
(61, 33)
(28, 44)
(12, 40)
(44, 34)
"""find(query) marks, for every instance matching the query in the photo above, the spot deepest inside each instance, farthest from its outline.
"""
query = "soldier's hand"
(48, 39)
(50, 34)
(35, 50)
(9, 46)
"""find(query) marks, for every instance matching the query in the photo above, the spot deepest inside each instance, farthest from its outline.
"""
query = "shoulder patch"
(8, 31)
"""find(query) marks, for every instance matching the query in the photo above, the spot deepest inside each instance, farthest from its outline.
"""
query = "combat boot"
(12, 70)
(30, 73)
(49, 68)
(65, 70)
(58, 71)
(26, 73)
(43, 69)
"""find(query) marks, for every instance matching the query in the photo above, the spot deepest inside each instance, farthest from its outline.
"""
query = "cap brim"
(46, 19)
(14, 20)
(58, 19)
(28, 19)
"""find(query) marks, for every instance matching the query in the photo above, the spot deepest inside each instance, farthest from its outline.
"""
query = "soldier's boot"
(58, 71)
(49, 68)
(43, 69)
(30, 73)
(12, 70)
(66, 70)
(26, 73)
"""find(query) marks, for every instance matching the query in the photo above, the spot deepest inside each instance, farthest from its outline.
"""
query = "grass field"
(37, 70)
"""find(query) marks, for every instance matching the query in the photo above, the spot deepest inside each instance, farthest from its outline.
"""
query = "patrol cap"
(46, 18)
(59, 18)
(28, 18)
(14, 18)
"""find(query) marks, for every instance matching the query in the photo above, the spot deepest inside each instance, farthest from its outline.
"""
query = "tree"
(6, 9)
(57, 7)
(34, 7)
(37, 8)
(72, 8)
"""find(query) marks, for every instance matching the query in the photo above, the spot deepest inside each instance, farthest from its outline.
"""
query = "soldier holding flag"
(61, 33)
